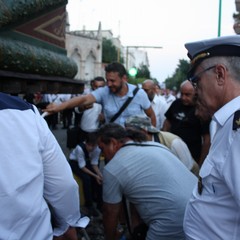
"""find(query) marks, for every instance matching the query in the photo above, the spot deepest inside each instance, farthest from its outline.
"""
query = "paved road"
(61, 136)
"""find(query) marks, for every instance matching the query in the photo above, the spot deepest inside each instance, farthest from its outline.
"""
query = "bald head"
(149, 83)
(186, 84)
(149, 87)
(188, 94)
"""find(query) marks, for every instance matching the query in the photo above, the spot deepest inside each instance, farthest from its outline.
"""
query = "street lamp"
(219, 17)
(132, 72)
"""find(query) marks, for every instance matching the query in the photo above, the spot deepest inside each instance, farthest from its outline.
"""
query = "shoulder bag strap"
(156, 138)
(124, 106)
(142, 145)
(83, 146)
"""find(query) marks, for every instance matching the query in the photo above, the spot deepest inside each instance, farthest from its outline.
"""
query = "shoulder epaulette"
(236, 120)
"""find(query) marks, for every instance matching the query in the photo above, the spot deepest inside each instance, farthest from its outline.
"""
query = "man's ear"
(221, 73)
(125, 78)
(116, 144)
(114, 141)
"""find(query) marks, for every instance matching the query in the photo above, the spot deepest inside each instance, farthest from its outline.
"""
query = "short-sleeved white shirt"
(159, 107)
(90, 118)
(78, 155)
(215, 214)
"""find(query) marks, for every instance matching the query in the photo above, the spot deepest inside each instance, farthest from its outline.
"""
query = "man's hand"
(52, 108)
(70, 234)
(99, 179)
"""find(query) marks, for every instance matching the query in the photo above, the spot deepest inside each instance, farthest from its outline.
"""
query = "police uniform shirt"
(215, 202)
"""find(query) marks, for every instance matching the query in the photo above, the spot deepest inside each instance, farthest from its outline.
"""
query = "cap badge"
(199, 56)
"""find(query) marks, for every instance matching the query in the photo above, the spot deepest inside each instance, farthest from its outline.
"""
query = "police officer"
(213, 210)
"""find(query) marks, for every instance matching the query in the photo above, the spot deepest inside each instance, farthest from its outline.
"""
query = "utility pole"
(127, 51)
(219, 17)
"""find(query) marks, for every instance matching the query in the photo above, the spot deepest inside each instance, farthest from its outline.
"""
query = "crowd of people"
(149, 110)
(170, 162)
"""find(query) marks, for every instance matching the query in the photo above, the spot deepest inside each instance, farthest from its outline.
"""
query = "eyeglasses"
(194, 80)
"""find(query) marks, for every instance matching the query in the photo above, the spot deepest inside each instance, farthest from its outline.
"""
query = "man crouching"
(150, 177)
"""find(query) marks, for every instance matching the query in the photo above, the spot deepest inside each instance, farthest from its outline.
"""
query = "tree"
(110, 52)
(179, 75)
(143, 72)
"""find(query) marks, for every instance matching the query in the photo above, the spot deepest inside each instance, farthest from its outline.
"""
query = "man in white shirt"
(36, 180)
(92, 116)
(68, 113)
(169, 98)
(214, 207)
(159, 106)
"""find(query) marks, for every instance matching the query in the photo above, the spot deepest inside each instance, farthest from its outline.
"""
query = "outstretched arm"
(71, 103)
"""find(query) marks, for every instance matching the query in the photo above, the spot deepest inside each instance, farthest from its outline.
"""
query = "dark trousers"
(52, 120)
(67, 117)
(91, 189)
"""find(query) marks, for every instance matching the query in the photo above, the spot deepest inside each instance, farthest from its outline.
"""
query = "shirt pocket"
(205, 169)
(206, 179)
(212, 181)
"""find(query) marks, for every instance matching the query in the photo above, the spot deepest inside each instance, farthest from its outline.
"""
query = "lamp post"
(219, 17)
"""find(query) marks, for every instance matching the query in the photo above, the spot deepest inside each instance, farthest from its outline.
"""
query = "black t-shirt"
(186, 125)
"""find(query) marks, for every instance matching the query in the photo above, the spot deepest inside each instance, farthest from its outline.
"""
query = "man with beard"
(150, 177)
(112, 97)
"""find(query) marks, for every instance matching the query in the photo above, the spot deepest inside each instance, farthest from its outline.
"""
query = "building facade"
(84, 47)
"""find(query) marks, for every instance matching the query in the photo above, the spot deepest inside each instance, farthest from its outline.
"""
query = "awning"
(17, 83)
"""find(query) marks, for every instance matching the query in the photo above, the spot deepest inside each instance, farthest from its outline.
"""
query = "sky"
(163, 23)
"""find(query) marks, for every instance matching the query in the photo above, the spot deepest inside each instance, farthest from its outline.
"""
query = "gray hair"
(232, 64)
